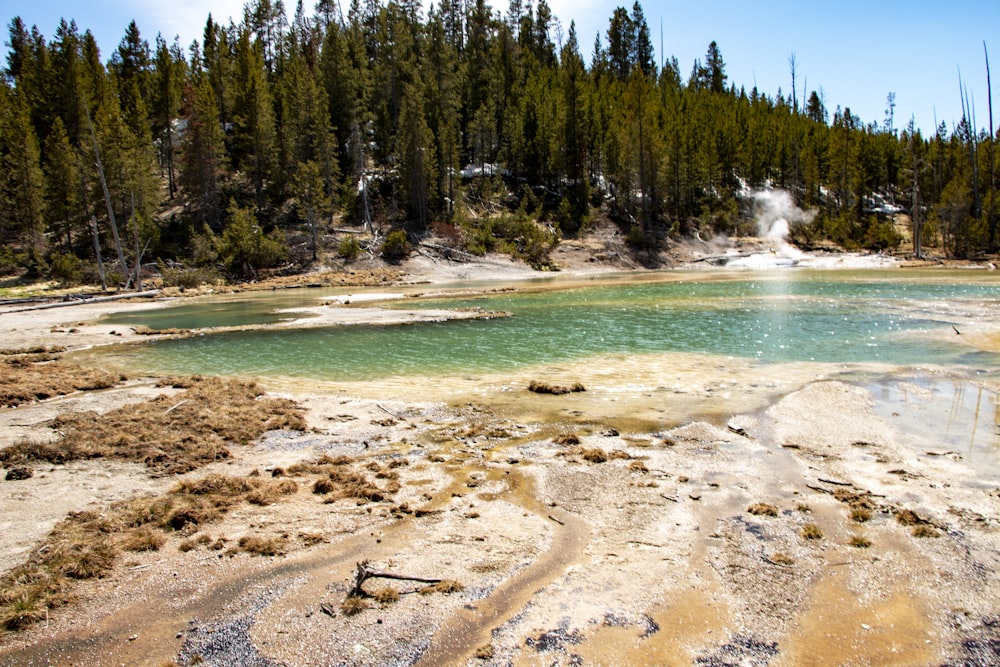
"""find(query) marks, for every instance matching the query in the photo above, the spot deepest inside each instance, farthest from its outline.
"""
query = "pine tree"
(417, 168)
(66, 221)
(253, 117)
(202, 153)
(22, 187)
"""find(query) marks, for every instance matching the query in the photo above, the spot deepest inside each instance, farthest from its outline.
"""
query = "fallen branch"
(362, 573)
(174, 407)
(388, 412)
(561, 523)
(835, 482)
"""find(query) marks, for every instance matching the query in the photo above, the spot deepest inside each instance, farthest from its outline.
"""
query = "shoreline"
(660, 549)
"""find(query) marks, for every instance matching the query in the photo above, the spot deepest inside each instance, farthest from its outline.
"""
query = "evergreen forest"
(269, 144)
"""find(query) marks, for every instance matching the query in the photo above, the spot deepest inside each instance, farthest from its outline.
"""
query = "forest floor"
(812, 530)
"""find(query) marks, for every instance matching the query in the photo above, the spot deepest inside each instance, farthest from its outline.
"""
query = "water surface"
(770, 317)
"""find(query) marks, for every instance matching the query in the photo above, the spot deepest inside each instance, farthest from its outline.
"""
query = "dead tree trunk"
(107, 197)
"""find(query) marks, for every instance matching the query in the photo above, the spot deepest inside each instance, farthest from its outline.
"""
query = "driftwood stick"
(379, 406)
(174, 407)
(835, 482)
(362, 573)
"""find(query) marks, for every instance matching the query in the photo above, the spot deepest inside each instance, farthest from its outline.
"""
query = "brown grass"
(595, 455)
(567, 439)
(782, 558)
(860, 514)
(811, 531)
(855, 499)
(925, 530)
(258, 545)
(170, 434)
(445, 586)
(555, 389)
(25, 378)
(342, 482)
(763, 509)
(386, 595)
(909, 518)
(353, 605)
(87, 545)
(859, 542)
(143, 539)
(638, 466)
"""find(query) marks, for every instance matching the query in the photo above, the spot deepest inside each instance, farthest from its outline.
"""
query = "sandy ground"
(685, 545)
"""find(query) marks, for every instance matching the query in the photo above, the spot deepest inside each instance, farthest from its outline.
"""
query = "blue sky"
(855, 52)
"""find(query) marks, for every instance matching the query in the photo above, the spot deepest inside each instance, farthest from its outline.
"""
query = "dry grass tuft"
(386, 595)
(909, 518)
(554, 389)
(855, 499)
(595, 455)
(341, 482)
(782, 558)
(143, 539)
(638, 466)
(567, 439)
(811, 531)
(445, 586)
(860, 514)
(353, 605)
(925, 530)
(484, 652)
(859, 542)
(311, 538)
(170, 434)
(263, 546)
(763, 509)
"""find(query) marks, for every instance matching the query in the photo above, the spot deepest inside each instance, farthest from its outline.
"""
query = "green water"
(841, 317)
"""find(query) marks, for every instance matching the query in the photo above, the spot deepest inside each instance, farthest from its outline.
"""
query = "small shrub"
(567, 439)
(349, 248)
(66, 268)
(396, 246)
(859, 542)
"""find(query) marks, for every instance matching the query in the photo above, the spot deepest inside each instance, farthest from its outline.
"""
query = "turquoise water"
(845, 317)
